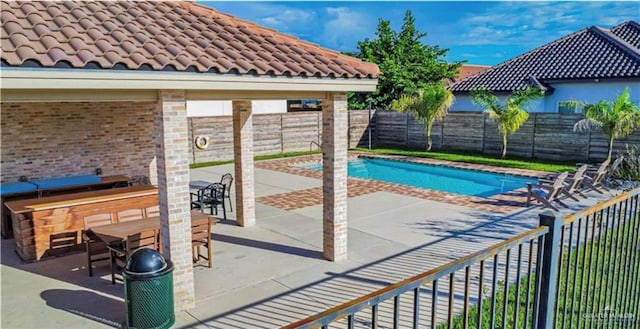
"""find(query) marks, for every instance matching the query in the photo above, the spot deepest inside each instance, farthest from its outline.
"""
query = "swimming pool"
(447, 179)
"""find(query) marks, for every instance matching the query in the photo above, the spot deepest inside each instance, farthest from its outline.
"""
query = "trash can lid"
(145, 261)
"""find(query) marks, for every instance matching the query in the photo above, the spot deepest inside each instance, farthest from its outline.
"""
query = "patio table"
(113, 234)
(198, 184)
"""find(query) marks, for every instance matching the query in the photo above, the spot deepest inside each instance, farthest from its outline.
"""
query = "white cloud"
(284, 18)
(344, 28)
(532, 24)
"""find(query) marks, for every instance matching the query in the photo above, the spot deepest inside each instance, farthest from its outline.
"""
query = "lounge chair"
(595, 180)
(574, 185)
(546, 193)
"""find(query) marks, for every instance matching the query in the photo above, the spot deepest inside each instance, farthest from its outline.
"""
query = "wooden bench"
(35, 220)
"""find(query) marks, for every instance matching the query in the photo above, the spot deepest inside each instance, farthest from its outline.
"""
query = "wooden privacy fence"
(578, 271)
(544, 136)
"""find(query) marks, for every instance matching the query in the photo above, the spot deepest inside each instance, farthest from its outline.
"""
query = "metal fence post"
(551, 252)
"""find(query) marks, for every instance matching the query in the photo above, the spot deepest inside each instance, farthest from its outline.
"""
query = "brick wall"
(58, 139)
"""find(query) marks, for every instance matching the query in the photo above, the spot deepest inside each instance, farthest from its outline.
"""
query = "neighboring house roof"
(160, 36)
(467, 70)
(591, 53)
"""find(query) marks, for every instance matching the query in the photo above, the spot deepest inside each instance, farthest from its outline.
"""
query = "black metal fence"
(598, 276)
(580, 271)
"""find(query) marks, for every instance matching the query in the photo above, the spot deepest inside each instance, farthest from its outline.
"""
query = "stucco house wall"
(588, 92)
(60, 139)
(464, 103)
(223, 108)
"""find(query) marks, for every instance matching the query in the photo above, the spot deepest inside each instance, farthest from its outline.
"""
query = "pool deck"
(273, 273)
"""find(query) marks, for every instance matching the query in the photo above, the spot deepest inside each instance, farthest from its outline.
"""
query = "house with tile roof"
(589, 65)
(97, 84)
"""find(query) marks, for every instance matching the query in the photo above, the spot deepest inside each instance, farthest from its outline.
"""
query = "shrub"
(630, 168)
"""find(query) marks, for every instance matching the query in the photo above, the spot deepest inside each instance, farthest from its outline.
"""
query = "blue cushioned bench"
(17, 188)
(59, 182)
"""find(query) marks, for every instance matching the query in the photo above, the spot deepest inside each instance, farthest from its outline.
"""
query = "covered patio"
(92, 85)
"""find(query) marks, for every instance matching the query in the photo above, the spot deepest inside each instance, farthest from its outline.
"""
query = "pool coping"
(500, 203)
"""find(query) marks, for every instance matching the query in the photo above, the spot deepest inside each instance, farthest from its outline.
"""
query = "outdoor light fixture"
(98, 171)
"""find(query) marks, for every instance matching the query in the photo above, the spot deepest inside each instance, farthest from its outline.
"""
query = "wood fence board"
(359, 128)
(299, 129)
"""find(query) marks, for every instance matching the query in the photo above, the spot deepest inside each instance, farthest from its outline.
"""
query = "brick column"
(334, 176)
(243, 163)
(172, 159)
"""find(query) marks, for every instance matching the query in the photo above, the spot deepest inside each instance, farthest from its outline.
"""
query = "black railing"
(580, 271)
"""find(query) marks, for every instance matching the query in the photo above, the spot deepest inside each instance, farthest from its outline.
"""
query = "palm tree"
(616, 119)
(509, 116)
(430, 105)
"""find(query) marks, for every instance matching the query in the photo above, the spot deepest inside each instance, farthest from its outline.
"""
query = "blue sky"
(480, 32)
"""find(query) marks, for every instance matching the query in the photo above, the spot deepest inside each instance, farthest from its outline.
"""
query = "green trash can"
(148, 290)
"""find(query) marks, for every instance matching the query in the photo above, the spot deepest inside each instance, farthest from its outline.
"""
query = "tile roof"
(591, 53)
(159, 36)
(467, 70)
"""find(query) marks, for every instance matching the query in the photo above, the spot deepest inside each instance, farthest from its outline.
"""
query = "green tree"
(429, 105)
(616, 119)
(406, 64)
(509, 116)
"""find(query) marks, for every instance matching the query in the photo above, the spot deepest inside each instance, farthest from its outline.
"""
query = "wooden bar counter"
(38, 222)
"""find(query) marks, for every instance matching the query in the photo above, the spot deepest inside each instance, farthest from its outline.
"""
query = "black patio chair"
(227, 181)
(209, 197)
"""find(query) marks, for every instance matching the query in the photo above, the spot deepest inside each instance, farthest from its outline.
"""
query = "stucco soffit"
(96, 79)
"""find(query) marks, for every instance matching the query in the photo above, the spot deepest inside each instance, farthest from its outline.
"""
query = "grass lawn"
(457, 157)
(481, 159)
(256, 158)
(583, 299)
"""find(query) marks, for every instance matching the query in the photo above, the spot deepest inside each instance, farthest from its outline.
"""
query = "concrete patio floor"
(271, 274)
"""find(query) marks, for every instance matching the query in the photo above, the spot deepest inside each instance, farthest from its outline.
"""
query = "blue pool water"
(447, 179)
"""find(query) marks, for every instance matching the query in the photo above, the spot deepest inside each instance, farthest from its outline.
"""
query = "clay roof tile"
(25, 52)
(57, 54)
(102, 16)
(103, 45)
(28, 8)
(78, 44)
(12, 27)
(138, 58)
(151, 48)
(112, 57)
(86, 56)
(68, 32)
(49, 42)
